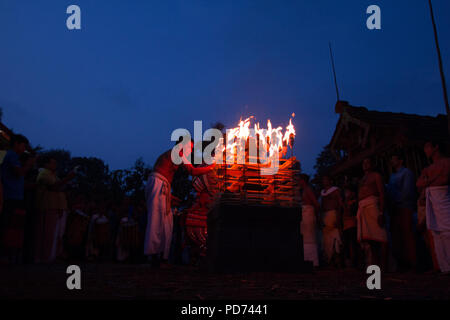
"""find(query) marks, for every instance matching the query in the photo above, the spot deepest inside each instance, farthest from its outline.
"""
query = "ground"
(121, 281)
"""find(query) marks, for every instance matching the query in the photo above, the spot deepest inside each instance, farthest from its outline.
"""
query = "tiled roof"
(418, 126)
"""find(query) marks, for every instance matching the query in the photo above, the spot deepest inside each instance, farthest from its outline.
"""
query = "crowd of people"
(42, 219)
(346, 225)
(381, 222)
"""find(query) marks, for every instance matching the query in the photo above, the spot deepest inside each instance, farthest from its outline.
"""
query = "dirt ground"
(121, 281)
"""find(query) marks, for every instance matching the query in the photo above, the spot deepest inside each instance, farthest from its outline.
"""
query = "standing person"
(308, 226)
(98, 236)
(423, 230)
(401, 191)
(159, 229)
(51, 206)
(332, 206)
(349, 233)
(12, 222)
(370, 217)
(30, 209)
(435, 179)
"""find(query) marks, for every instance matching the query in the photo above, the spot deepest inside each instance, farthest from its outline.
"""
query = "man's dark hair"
(18, 138)
(437, 143)
(304, 177)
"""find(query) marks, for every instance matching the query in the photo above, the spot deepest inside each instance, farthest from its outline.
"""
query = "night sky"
(137, 70)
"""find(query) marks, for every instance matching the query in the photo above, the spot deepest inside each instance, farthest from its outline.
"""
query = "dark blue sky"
(139, 69)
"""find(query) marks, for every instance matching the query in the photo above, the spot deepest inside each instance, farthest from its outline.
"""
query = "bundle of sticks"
(245, 184)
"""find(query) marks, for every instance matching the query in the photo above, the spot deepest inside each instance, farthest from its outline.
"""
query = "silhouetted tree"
(93, 177)
(60, 155)
(117, 184)
(135, 178)
(324, 161)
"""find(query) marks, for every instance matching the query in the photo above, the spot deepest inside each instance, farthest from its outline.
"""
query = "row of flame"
(273, 138)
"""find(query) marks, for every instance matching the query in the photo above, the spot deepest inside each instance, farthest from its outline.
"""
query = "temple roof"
(416, 127)
(361, 133)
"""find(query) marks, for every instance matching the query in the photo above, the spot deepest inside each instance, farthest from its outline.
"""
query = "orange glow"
(274, 139)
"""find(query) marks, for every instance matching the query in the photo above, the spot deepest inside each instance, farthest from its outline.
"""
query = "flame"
(290, 132)
(273, 139)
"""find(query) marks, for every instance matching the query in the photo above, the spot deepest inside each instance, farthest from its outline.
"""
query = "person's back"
(165, 166)
(332, 219)
(308, 197)
(308, 223)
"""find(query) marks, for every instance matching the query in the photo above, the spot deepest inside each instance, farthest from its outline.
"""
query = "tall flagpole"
(334, 71)
(441, 68)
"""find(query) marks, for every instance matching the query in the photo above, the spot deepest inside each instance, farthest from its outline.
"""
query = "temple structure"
(362, 133)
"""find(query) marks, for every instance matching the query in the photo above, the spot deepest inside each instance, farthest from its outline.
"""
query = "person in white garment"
(308, 226)
(51, 205)
(98, 237)
(332, 208)
(372, 233)
(158, 235)
(435, 179)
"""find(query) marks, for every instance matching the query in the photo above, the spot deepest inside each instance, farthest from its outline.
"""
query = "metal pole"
(441, 68)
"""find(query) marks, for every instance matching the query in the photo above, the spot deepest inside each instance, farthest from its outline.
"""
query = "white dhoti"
(92, 245)
(58, 247)
(438, 221)
(332, 241)
(158, 234)
(308, 231)
(122, 252)
(367, 219)
(123, 249)
(49, 234)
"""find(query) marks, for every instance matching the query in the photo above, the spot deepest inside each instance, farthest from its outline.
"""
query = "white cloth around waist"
(369, 201)
(438, 208)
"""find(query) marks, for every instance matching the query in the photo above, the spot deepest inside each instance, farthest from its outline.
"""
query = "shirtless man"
(310, 206)
(158, 234)
(332, 206)
(371, 229)
(435, 179)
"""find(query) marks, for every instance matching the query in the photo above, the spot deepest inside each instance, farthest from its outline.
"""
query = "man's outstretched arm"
(198, 171)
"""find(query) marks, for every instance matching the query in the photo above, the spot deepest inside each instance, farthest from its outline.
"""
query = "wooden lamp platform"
(255, 238)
